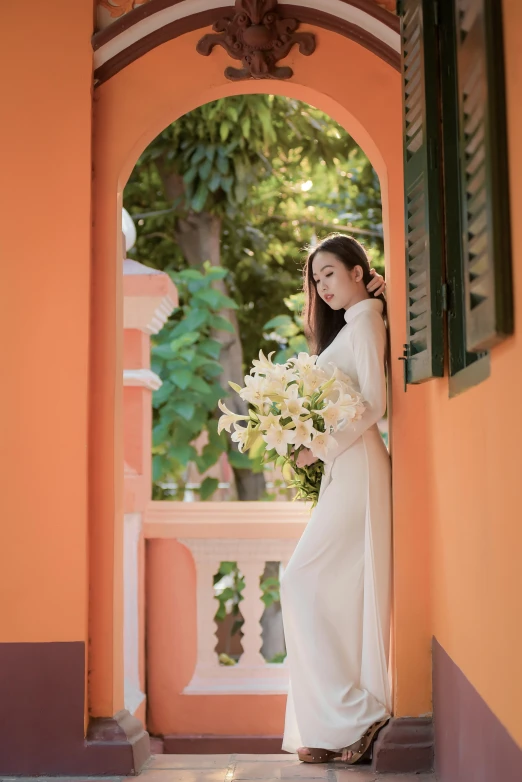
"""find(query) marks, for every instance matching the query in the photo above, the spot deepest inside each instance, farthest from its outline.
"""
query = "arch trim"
(155, 23)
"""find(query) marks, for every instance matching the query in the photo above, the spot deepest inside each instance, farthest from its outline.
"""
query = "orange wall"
(134, 106)
(476, 485)
(45, 223)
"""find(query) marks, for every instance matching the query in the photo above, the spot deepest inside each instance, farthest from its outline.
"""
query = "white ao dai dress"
(335, 592)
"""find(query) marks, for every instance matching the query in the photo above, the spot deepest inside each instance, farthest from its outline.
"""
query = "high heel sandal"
(318, 755)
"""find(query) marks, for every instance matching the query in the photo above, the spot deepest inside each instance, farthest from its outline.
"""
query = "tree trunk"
(199, 237)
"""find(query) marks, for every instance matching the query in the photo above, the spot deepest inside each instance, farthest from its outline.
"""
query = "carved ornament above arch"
(139, 27)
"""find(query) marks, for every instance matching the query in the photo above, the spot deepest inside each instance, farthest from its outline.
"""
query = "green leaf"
(162, 351)
(160, 433)
(227, 594)
(205, 169)
(240, 461)
(212, 368)
(216, 299)
(160, 396)
(185, 409)
(198, 155)
(190, 274)
(226, 183)
(226, 568)
(183, 453)
(160, 465)
(182, 378)
(200, 198)
(224, 130)
(211, 347)
(246, 124)
(190, 175)
(208, 487)
(208, 458)
(210, 296)
(199, 385)
(215, 181)
(222, 324)
(232, 113)
(194, 320)
(277, 322)
(223, 166)
(184, 341)
(213, 273)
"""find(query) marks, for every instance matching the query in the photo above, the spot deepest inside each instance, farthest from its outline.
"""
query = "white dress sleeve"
(368, 337)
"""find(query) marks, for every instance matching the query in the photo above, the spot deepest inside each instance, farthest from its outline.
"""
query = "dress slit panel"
(374, 662)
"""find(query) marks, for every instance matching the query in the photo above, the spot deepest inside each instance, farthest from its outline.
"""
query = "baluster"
(207, 564)
(206, 608)
(252, 608)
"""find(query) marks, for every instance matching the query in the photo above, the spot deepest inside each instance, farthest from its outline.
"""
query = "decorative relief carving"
(258, 36)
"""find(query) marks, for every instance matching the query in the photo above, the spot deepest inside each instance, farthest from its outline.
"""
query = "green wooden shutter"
(424, 231)
(459, 357)
(484, 173)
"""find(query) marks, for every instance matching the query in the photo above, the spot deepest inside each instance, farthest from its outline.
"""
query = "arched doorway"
(353, 77)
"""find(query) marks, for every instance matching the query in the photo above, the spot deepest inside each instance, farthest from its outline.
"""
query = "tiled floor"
(236, 768)
(247, 768)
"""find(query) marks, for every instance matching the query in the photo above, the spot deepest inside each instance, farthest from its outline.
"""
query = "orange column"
(149, 298)
(45, 229)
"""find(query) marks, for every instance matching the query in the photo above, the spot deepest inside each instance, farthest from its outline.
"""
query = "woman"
(335, 592)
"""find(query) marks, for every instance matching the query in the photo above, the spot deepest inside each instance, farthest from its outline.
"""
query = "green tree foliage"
(186, 358)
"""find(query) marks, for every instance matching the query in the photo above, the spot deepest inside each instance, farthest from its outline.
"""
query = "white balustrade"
(251, 534)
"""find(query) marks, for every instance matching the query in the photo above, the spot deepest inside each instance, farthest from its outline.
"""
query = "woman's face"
(338, 286)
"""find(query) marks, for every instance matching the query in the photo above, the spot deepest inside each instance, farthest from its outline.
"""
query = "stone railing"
(251, 534)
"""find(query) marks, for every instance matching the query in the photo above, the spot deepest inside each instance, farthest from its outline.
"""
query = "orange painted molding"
(238, 520)
(149, 297)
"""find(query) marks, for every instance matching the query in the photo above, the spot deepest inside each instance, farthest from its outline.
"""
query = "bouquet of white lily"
(293, 406)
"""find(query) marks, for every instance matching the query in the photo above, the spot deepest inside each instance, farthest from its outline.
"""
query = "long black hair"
(322, 324)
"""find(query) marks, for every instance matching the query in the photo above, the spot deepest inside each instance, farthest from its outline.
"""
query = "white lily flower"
(229, 418)
(263, 364)
(293, 406)
(240, 435)
(265, 421)
(257, 390)
(332, 413)
(279, 373)
(351, 405)
(321, 442)
(303, 364)
(313, 380)
(303, 433)
(279, 438)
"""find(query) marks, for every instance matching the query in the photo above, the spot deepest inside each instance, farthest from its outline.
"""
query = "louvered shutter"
(424, 231)
(484, 173)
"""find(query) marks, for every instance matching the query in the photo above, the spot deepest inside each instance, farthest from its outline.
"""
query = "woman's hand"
(305, 458)
(378, 285)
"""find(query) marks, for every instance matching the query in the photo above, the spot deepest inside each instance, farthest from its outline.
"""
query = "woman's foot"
(345, 754)
(351, 754)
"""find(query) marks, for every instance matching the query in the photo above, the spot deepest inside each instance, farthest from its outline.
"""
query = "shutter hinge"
(405, 357)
